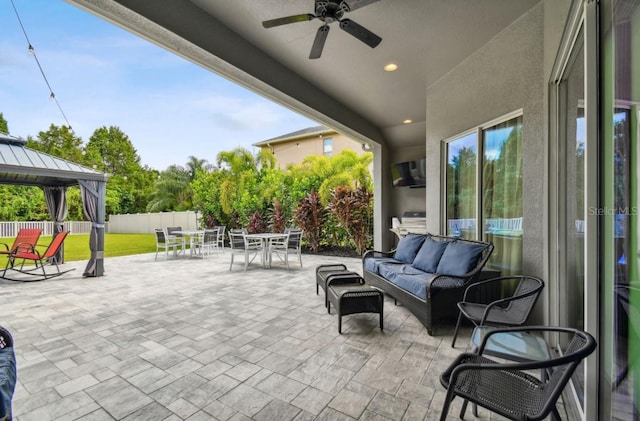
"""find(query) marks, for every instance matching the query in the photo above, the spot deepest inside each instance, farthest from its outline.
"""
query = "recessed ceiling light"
(391, 67)
(407, 121)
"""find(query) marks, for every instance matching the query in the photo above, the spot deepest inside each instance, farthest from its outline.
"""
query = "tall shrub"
(277, 218)
(353, 211)
(256, 224)
(310, 216)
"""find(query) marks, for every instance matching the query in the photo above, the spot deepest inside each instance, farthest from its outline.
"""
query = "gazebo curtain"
(56, 199)
(91, 203)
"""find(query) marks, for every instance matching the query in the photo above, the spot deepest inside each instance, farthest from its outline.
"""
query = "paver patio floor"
(187, 339)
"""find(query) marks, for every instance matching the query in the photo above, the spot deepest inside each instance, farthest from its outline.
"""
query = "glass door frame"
(582, 26)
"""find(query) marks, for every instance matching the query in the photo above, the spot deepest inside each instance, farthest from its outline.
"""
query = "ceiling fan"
(329, 12)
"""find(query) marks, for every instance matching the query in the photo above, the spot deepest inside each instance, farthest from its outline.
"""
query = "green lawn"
(76, 247)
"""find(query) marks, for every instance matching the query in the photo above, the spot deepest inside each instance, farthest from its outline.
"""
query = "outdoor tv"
(409, 173)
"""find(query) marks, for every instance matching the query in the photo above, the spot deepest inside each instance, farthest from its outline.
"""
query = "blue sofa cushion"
(429, 255)
(460, 258)
(408, 278)
(372, 264)
(408, 247)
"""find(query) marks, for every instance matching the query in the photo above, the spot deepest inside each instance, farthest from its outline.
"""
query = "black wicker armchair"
(8, 374)
(505, 388)
(513, 310)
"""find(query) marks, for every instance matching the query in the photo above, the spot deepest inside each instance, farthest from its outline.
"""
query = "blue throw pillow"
(429, 255)
(460, 258)
(408, 247)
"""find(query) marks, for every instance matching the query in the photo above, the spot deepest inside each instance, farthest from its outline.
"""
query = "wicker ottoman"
(352, 298)
(334, 272)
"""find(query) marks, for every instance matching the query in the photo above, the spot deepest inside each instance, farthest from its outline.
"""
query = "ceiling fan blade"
(357, 4)
(318, 43)
(287, 19)
(360, 32)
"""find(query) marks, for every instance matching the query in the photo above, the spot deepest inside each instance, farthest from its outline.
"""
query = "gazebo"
(24, 166)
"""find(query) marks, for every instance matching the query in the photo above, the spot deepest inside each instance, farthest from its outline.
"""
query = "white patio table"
(191, 235)
(265, 237)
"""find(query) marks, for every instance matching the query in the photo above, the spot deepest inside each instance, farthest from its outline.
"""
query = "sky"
(103, 75)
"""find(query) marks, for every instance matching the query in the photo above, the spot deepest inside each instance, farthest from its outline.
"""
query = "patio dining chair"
(180, 238)
(165, 242)
(210, 240)
(220, 237)
(247, 247)
(294, 244)
(509, 389)
(279, 246)
(513, 310)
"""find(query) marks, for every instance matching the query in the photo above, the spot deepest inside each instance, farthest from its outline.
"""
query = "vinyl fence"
(138, 223)
(146, 222)
(10, 229)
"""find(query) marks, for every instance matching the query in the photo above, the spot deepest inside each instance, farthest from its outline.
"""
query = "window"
(327, 146)
(462, 157)
(487, 187)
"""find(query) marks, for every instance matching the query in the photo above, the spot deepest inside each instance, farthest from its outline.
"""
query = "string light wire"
(32, 51)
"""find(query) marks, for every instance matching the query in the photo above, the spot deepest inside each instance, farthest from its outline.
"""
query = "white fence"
(147, 222)
(137, 223)
(492, 224)
(10, 229)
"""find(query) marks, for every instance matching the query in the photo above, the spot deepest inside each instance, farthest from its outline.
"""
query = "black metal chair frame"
(500, 312)
(505, 388)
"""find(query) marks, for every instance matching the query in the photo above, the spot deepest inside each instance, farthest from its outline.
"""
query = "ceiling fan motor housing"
(330, 11)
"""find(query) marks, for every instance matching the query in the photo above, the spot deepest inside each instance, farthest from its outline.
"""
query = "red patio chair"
(29, 253)
(26, 236)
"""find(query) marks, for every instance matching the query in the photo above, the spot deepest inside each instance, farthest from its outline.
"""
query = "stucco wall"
(294, 151)
(503, 76)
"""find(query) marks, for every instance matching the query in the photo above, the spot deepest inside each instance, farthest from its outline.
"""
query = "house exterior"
(292, 148)
(530, 135)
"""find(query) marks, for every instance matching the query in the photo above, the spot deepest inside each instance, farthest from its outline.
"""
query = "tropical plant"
(310, 216)
(171, 191)
(256, 224)
(277, 219)
(353, 211)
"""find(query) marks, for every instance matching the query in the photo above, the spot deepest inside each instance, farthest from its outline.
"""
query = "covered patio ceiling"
(347, 88)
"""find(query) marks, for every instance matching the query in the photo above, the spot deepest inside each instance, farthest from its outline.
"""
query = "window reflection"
(462, 159)
(502, 195)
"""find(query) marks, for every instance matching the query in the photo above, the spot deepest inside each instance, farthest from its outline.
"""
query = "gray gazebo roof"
(25, 166)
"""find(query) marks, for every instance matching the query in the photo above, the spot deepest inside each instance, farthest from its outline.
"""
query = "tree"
(60, 142)
(171, 191)
(4, 126)
(110, 150)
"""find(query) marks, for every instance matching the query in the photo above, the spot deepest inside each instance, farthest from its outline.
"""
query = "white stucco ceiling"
(426, 38)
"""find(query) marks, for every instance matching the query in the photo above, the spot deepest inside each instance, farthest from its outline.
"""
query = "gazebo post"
(102, 194)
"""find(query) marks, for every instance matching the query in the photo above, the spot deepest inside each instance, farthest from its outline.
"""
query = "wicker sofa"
(427, 273)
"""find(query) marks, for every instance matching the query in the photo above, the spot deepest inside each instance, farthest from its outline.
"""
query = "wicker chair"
(510, 311)
(8, 374)
(505, 388)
